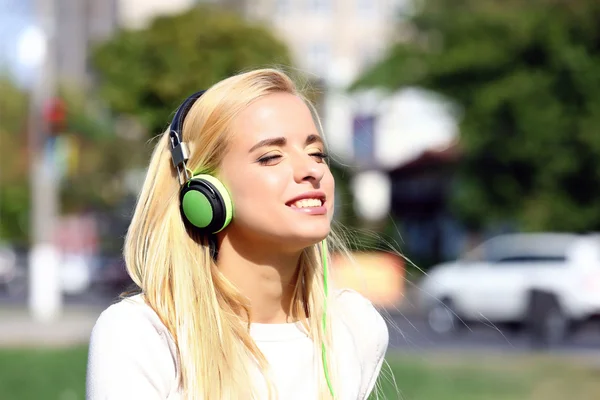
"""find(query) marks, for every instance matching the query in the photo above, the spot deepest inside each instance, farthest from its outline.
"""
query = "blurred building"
(80, 24)
(137, 14)
(332, 39)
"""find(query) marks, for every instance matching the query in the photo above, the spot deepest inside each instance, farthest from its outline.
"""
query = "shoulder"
(129, 343)
(122, 310)
(130, 317)
(364, 322)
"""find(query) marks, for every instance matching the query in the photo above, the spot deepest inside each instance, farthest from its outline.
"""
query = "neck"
(267, 278)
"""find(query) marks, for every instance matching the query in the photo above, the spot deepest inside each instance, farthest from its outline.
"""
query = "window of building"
(363, 139)
(283, 7)
(319, 57)
(366, 8)
(368, 54)
(319, 6)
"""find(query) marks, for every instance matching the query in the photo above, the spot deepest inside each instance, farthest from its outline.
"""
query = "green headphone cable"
(326, 292)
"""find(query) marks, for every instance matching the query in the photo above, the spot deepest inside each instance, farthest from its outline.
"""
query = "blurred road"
(408, 331)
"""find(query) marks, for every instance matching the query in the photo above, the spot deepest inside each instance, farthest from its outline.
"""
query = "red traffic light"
(55, 114)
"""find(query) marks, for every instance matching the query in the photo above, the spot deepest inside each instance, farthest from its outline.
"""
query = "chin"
(309, 237)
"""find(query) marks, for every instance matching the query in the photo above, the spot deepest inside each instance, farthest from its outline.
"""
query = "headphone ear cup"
(206, 204)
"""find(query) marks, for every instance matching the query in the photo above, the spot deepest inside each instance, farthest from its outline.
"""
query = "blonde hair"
(178, 277)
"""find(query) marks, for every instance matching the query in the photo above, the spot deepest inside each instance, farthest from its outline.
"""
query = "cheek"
(328, 184)
(252, 188)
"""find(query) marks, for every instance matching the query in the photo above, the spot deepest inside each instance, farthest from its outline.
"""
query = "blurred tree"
(14, 187)
(238, 6)
(92, 158)
(147, 73)
(527, 76)
(96, 155)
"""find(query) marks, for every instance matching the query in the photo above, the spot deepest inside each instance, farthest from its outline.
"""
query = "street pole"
(45, 295)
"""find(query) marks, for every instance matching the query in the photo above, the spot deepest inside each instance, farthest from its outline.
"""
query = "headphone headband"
(179, 150)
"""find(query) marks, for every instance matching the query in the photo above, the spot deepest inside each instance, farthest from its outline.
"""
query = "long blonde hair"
(177, 275)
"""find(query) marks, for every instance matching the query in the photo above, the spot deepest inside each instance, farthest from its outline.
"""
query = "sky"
(16, 16)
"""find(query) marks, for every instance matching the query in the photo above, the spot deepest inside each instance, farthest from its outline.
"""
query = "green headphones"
(205, 203)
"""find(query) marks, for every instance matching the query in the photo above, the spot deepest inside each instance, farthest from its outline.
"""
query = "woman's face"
(275, 170)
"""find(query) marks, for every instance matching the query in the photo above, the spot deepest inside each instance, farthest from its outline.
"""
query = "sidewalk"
(74, 326)
(18, 329)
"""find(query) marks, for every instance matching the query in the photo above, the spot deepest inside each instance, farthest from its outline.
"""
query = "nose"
(306, 168)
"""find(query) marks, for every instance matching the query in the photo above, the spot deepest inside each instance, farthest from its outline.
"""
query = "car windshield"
(523, 247)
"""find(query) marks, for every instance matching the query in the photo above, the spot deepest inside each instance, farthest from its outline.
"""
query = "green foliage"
(86, 115)
(146, 73)
(527, 76)
(14, 187)
(97, 154)
(96, 160)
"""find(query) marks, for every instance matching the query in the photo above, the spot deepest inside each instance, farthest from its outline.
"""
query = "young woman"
(228, 246)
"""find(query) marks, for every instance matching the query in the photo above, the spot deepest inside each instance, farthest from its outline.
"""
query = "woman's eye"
(320, 156)
(268, 160)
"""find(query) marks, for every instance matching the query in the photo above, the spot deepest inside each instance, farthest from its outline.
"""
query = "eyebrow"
(281, 141)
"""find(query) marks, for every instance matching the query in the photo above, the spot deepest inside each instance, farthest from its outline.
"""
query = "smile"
(309, 203)
(306, 203)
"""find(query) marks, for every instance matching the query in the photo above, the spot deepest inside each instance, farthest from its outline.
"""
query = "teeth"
(307, 203)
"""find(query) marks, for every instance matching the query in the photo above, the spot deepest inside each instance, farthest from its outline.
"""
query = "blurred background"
(465, 137)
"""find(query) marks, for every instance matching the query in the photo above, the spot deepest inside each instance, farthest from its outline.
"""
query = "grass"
(59, 374)
(43, 374)
(498, 377)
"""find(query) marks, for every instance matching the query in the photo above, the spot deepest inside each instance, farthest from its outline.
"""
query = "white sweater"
(132, 355)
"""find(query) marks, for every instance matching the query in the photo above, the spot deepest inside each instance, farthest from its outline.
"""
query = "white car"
(548, 283)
